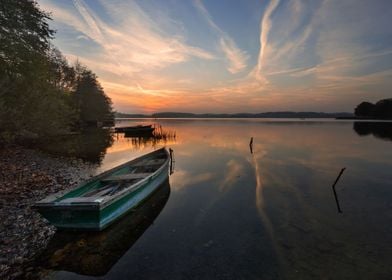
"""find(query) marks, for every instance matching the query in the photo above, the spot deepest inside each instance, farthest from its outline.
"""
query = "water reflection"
(94, 253)
(93, 144)
(334, 190)
(139, 141)
(90, 145)
(257, 157)
(381, 130)
(266, 212)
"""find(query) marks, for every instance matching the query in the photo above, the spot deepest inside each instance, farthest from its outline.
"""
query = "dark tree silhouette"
(92, 103)
(381, 110)
(365, 109)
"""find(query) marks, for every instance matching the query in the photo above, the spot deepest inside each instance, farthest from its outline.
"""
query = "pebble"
(27, 176)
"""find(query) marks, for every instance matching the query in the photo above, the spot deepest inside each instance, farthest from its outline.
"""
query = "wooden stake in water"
(334, 191)
(171, 161)
(251, 145)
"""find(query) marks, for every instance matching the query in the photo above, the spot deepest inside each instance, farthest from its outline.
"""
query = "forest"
(41, 93)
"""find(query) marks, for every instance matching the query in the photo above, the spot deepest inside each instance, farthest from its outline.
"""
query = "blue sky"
(231, 56)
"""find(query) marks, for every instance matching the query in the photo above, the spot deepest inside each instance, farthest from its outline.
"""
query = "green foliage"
(24, 71)
(40, 93)
(24, 37)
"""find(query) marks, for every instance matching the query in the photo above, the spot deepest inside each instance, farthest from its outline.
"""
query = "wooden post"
(251, 145)
(171, 161)
(334, 191)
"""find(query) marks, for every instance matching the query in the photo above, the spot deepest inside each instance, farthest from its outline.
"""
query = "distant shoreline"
(285, 114)
(255, 118)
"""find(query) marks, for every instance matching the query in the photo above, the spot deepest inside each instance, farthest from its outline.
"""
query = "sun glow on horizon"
(253, 57)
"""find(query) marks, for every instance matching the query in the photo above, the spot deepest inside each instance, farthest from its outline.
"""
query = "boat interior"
(126, 177)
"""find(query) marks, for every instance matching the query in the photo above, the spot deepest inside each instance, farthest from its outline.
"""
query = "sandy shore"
(27, 176)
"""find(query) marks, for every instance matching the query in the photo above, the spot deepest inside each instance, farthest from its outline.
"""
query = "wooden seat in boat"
(149, 162)
(124, 177)
(76, 200)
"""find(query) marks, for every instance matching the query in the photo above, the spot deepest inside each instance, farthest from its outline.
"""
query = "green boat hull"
(93, 217)
(95, 253)
(99, 215)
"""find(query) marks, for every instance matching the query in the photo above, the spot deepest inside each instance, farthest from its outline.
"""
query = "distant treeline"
(238, 115)
(381, 110)
(41, 94)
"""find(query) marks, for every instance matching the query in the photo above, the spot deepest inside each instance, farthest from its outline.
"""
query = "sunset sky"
(230, 56)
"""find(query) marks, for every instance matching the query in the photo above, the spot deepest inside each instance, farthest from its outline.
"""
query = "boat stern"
(71, 217)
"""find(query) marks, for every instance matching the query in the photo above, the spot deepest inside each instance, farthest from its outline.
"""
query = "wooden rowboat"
(95, 253)
(137, 130)
(100, 201)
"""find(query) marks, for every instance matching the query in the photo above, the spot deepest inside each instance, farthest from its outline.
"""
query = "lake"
(231, 212)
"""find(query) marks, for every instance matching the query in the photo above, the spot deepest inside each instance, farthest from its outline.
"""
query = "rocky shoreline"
(27, 176)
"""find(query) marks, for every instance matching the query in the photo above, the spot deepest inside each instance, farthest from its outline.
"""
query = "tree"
(38, 87)
(24, 42)
(93, 104)
(24, 36)
(63, 76)
(383, 109)
(365, 109)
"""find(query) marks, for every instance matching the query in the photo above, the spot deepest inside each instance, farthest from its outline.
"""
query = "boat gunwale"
(140, 183)
(50, 200)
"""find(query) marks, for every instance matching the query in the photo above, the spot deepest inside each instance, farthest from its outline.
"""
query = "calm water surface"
(228, 213)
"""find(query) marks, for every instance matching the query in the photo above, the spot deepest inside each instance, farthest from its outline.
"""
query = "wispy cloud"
(237, 59)
(94, 25)
(255, 82)
(130, 41)
(301, 55)
(265, 27)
